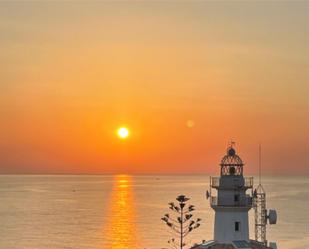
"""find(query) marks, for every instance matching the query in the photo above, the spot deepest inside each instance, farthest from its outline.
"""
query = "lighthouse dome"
(231, 163)
(231, 158)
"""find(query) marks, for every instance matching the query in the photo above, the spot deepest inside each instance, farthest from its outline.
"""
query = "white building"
(231, 197)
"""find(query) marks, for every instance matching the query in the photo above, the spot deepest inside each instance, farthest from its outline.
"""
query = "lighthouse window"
(237, 226)
(232, 170)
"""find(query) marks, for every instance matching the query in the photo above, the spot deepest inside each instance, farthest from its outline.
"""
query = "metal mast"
(260, 209)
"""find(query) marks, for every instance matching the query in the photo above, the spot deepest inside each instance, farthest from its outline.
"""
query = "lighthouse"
(231, 197)
(233, 200)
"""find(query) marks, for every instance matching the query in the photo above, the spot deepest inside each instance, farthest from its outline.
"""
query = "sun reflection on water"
(121, 228)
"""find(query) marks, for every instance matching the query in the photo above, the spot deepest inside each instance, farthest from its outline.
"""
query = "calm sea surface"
(118, 212)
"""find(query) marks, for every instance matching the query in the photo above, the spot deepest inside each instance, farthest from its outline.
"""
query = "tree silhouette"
(181, 222)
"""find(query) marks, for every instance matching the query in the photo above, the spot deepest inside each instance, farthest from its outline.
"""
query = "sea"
(124, 211)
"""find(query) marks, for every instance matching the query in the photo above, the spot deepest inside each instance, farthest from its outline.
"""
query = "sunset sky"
(185, 78)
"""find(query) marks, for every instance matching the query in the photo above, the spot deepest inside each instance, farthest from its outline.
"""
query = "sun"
(123, 132)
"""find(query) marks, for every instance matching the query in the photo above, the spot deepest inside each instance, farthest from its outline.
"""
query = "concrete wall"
(224, 231)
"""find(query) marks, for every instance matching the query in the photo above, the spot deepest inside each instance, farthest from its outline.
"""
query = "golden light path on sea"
(120, 230)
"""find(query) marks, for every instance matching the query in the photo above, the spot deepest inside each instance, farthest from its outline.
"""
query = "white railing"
(242, 202)
(215, 182)
(249, 182)
(213, 200)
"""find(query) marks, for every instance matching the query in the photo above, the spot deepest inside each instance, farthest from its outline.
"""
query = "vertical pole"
(260, 163)
(210, 185)
(181, 228)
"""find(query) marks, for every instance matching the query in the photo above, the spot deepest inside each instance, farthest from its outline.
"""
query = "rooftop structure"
(235, 245)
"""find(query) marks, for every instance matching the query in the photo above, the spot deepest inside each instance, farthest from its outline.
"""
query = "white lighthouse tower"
(232, 202)
(231, 197)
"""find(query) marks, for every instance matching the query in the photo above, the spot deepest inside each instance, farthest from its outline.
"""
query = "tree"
(183, 223)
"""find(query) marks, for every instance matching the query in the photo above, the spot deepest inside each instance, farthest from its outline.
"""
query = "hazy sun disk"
(123, 132)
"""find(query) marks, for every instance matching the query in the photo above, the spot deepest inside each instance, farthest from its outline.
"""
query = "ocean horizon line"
(148, 174)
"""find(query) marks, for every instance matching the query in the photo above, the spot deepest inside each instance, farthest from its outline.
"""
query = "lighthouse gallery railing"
(215, 182)
(242, 202)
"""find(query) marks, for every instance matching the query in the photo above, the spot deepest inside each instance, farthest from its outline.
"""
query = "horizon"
(148, 174)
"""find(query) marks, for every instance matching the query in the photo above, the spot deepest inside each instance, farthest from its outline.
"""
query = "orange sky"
(71, 74)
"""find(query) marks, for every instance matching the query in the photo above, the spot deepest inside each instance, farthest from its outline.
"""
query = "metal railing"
(214, 201)
(249, 182)
(215, 182)
(242, 202)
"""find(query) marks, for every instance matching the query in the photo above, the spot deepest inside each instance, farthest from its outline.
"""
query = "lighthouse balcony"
(231, 182)
(245, 201)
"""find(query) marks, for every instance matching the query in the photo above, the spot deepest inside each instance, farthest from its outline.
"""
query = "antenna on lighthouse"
(260, 165)
(261, 214)
(260, 207)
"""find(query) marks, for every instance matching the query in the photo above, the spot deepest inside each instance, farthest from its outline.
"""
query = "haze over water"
(122, 211)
